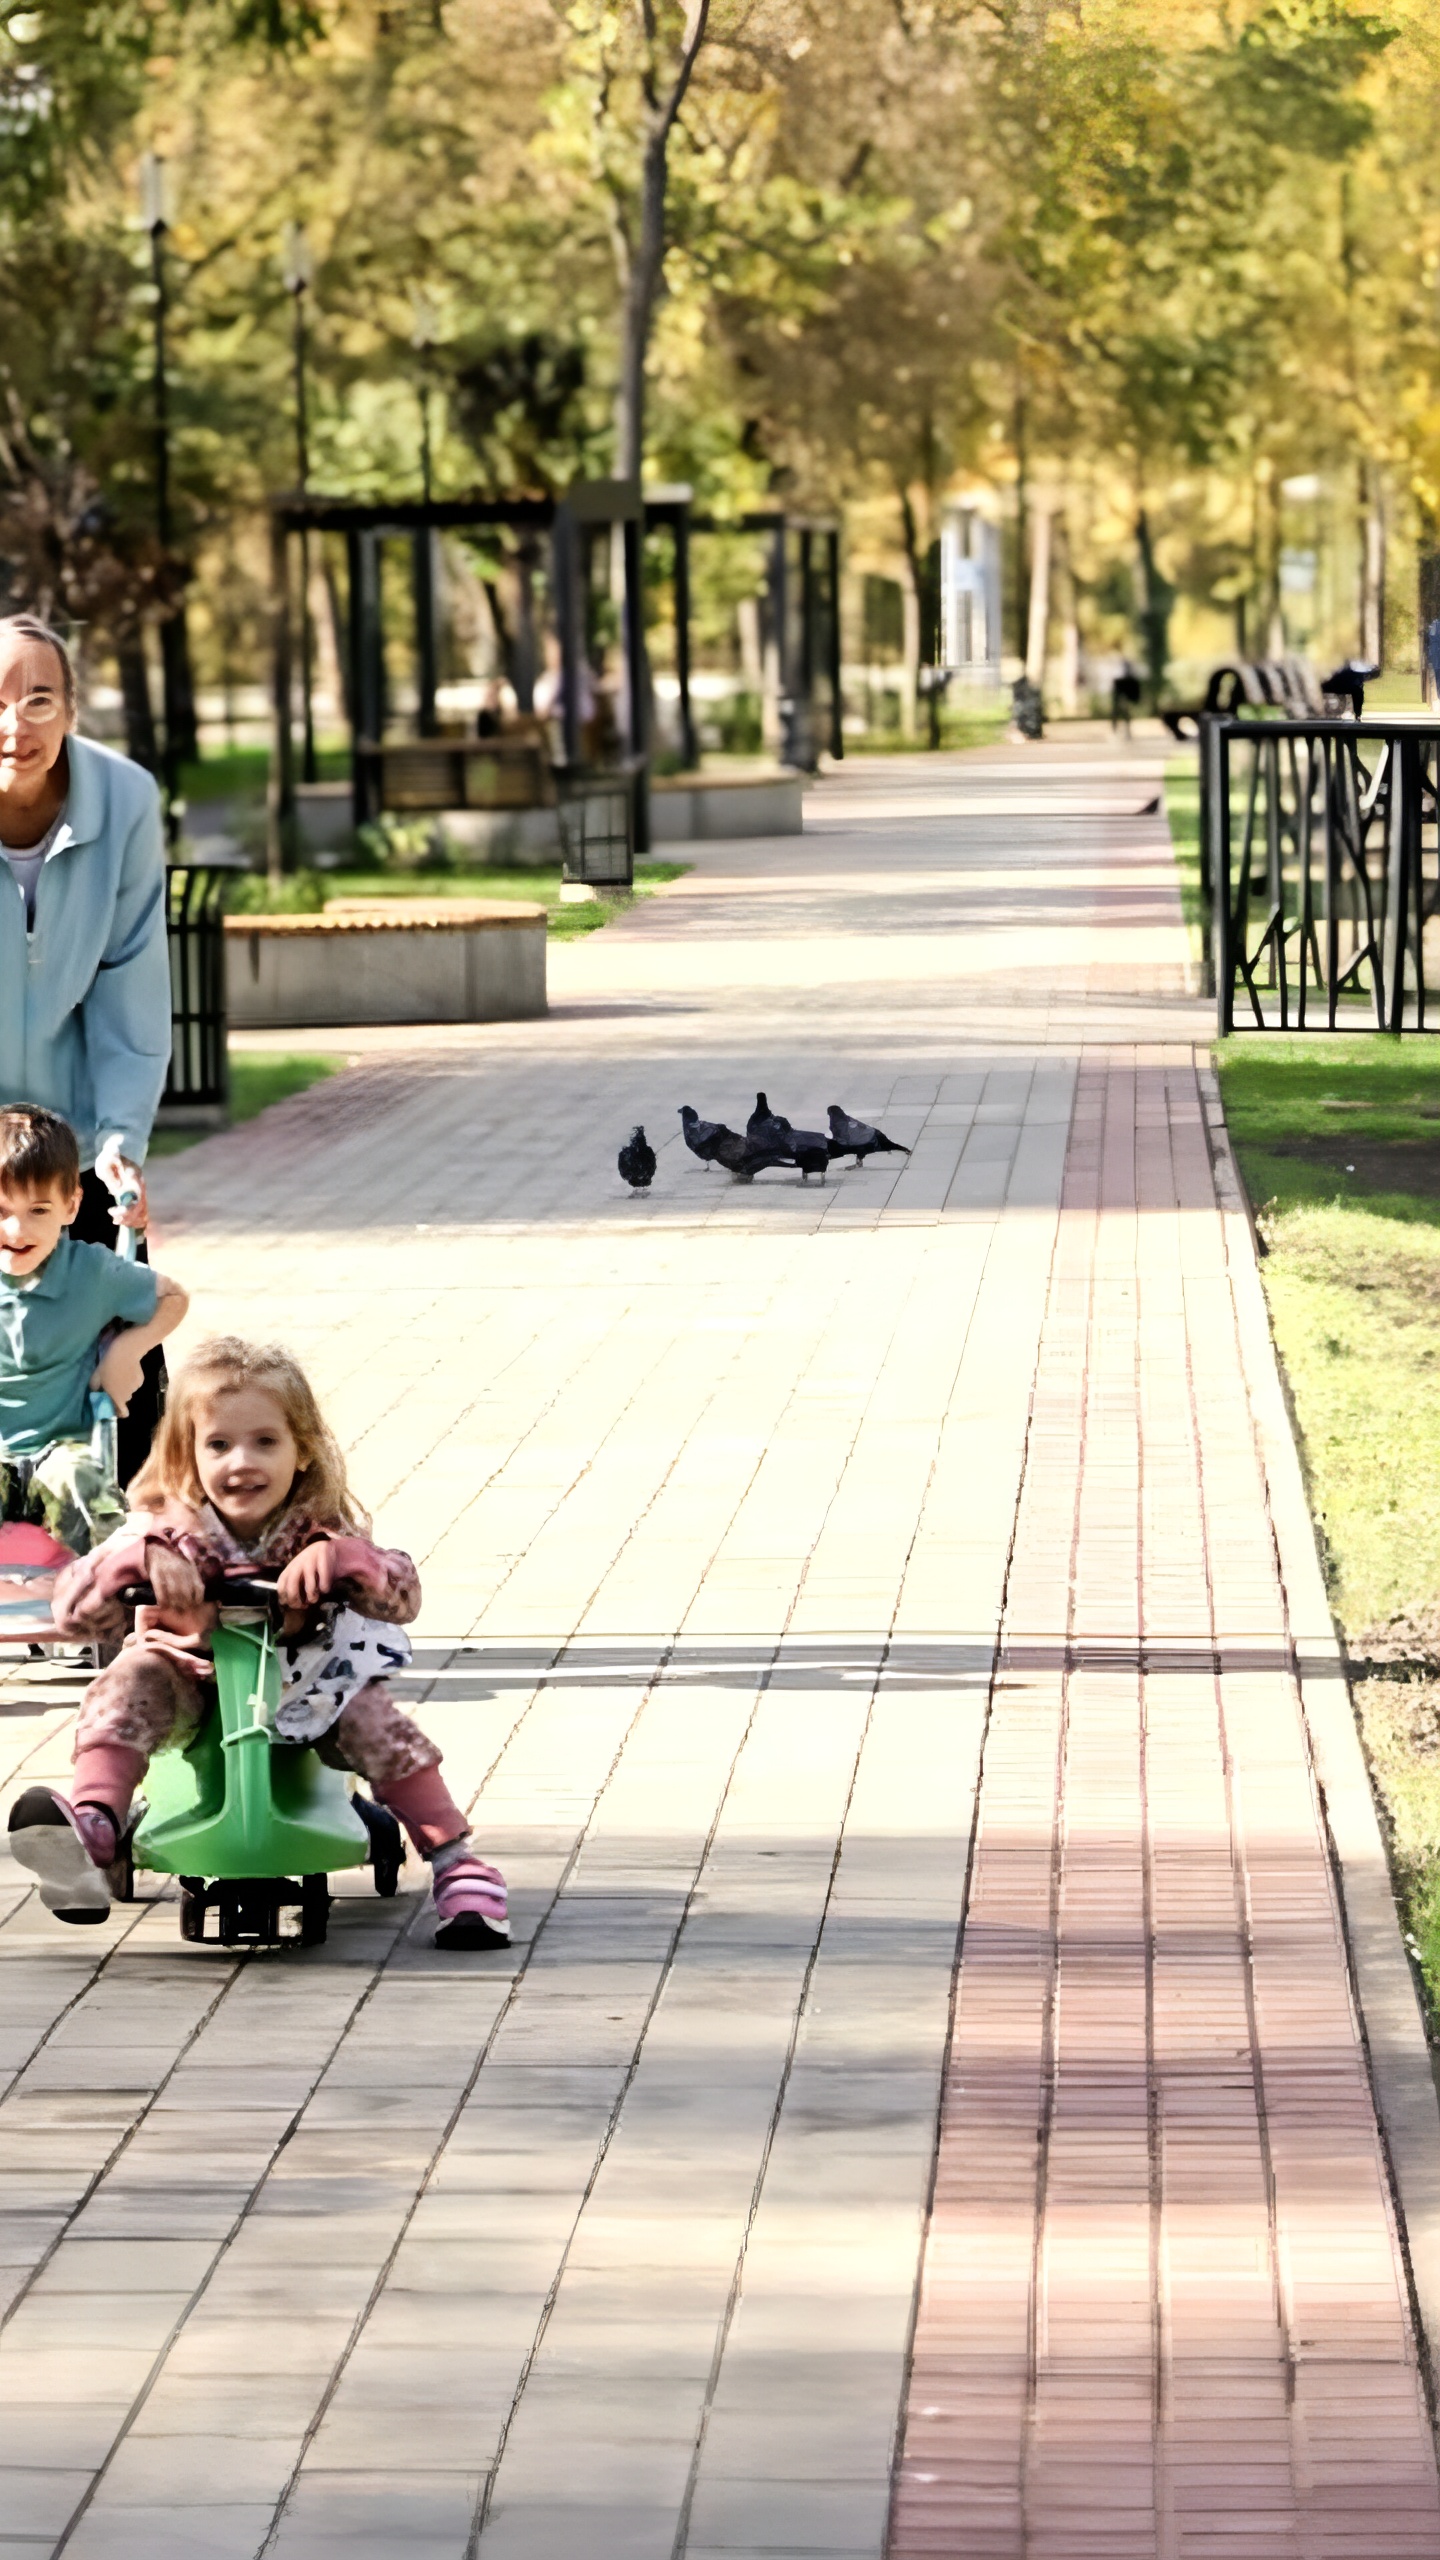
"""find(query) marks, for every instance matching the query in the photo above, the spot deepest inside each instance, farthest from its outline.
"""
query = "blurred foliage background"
(1171, 275)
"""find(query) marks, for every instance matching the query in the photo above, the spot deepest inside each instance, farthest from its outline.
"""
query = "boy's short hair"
(38, 1150)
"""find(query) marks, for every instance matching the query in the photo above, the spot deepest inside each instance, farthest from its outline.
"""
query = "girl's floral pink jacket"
(380, 1582)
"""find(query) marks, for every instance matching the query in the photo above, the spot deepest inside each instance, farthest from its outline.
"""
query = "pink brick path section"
(1164, 2313)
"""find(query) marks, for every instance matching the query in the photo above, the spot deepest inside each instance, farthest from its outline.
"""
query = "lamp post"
(299, 269)
(154, 215)
(424, 325)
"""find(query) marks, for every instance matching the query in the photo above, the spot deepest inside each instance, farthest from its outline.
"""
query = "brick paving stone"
(810, 1572)
(1206, 2342)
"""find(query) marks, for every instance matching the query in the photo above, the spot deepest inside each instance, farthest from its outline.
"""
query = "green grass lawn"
(258, 1077)
(1339, 1143)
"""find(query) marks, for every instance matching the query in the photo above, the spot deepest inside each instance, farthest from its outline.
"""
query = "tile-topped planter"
(387, 960)
(686, 808)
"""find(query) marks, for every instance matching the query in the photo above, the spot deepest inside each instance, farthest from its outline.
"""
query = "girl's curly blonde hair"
(218, 1368)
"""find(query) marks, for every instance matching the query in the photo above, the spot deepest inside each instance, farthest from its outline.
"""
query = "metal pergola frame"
(365, 525)
(799, 650)
(587, 508)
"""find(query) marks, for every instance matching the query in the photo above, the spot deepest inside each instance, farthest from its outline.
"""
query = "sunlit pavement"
(811, 1573)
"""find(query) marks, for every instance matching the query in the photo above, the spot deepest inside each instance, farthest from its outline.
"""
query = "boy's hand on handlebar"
(309, 1576)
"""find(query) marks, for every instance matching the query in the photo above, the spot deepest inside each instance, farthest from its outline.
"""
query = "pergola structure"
(803, 584)
(570, 523)
(803, 588)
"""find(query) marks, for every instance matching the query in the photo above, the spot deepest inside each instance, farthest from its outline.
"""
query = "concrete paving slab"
(820, 1582)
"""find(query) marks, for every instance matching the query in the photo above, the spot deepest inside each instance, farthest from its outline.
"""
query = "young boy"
(58, 1300)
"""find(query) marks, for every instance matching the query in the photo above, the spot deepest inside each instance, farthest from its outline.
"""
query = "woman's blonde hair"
(218, 1368)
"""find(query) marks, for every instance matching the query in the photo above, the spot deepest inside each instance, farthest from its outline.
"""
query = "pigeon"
(767, 1128)
(745, 1160)
(702, 1137)
(637, 1160)
(811, 1152)
(770, 1130)
(856, 1137)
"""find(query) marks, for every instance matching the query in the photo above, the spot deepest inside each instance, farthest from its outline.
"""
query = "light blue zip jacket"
(85, 998)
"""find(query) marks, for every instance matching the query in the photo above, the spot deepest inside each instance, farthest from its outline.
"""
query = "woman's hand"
(173, 1578)
(119, 1175)
(180, 1607)
(309, 1576)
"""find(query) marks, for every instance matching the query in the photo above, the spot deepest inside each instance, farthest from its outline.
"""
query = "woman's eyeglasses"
(39, 710)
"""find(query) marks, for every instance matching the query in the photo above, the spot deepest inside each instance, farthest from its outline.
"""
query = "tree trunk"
(1022, 529)
(1154, 612)
(141, 744)
(184, 743)
(1038, 620)
(640, 242)
(1372, 531)
(911, 597)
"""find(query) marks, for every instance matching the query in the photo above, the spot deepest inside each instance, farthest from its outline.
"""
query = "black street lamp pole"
(299, 268)
(152, 202)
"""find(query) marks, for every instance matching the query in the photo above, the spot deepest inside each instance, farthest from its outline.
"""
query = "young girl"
(245, 1477)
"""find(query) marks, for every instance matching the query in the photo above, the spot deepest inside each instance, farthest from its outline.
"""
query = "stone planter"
(387, 960)
(686, 808)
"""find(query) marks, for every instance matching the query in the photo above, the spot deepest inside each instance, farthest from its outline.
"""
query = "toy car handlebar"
(227, 1591)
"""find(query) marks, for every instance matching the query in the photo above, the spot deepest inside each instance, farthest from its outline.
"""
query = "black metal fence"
(597, 826)
(197, 1091)
(1320, 862)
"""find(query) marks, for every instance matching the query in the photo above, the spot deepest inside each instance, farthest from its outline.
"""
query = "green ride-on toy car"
(253, 1825)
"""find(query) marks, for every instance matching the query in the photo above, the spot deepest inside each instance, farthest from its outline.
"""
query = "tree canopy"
(895, 241)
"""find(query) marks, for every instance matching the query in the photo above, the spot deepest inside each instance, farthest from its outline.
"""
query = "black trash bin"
(197, 1091)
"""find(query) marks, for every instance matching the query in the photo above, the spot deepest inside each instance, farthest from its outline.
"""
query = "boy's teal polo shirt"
(50, 1328)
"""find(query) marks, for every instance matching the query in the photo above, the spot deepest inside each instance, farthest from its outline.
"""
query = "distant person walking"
(84, 969)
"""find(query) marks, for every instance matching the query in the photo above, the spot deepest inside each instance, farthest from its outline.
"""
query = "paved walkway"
(811, 1576)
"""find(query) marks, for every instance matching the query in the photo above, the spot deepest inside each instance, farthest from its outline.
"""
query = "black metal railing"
(598, 824)
(1320, 864)
(197, 1091)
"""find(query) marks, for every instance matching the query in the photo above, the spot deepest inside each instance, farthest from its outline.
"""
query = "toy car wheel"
(120, 1874)
(386, 1872)
(314, 1910)
(192, 1908)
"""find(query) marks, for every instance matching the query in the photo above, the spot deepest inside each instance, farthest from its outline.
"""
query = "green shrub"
(252, 893)
(403, 844)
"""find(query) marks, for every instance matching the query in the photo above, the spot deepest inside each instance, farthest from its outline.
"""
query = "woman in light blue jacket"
(84, 968)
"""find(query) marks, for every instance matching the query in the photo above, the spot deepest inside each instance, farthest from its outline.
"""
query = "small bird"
(811, 1152)
(767, 1128)
(636, 1160)
(745, 1160)
(702, 1137)
(856, 1137)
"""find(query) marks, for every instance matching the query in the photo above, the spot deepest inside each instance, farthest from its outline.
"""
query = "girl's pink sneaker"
(470, 1906)
(69, 1848)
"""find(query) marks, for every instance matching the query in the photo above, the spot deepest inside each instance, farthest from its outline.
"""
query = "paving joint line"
(483, 2505)
(197, 2297)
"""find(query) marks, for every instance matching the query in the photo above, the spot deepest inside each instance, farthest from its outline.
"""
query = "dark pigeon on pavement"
(856, 1137)
(744, 1160)
(811, 1152)
(767, 1128)
(702, 1137)
(637, 1160)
